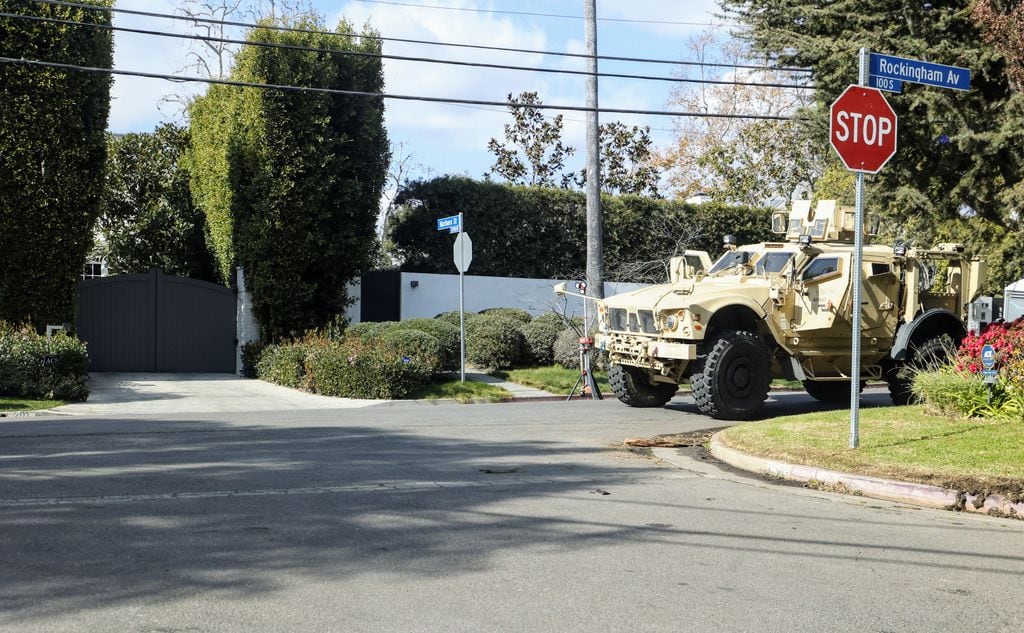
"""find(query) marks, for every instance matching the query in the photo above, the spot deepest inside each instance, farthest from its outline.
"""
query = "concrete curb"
(888, 489)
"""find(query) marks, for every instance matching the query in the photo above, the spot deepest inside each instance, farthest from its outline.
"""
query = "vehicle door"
(821, 296)
(879, 299)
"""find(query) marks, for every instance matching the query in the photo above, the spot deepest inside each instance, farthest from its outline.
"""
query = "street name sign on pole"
(862, 129)
(918, 72)
(452, 224)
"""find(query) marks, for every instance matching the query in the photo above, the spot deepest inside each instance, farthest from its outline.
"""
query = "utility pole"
(595, 220)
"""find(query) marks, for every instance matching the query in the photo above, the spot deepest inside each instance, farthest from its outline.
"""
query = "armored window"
(879, 269)
(693, 263)
(730, 260)
(772, 262)
(820, 267)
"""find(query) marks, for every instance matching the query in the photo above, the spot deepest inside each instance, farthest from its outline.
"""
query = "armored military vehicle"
(784, 310)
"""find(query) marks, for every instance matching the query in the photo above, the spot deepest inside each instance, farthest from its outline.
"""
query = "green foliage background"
(290, 182)
(955, 148)
(541, 232)
(52, 152)
(148, 219)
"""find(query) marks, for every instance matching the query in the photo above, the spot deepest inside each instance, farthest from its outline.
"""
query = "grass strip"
(554, 379)
(463, 392)
(902, 443)
(21, 404)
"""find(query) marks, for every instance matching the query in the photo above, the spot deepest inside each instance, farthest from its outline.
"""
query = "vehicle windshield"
(766, 262)
(729, 260)
(772, 262)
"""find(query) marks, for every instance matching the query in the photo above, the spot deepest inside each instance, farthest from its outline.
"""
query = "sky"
(443, 138)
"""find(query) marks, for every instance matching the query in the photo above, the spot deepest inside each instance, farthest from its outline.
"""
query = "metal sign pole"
(462, 303)
(858, 272)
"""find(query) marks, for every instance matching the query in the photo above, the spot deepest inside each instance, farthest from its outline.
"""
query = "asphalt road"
(415, 517)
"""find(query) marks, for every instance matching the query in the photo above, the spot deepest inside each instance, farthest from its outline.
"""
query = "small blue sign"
(452, 224)
(988, 357)
(919, 72)
(885, 83)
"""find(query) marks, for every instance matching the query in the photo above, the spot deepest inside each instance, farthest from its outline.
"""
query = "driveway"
(114, 394)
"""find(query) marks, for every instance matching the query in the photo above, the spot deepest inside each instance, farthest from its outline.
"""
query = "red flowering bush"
(1008, 341)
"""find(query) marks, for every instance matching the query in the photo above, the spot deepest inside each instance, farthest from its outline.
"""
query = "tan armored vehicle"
(784, 310)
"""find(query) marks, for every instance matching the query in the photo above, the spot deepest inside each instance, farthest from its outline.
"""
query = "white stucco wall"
(1013, 301)
(426, 295)
(246, 328)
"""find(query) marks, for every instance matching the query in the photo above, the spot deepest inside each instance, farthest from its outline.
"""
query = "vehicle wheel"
(733, 382)
(830, 391)
(929, 354)
(631, 386)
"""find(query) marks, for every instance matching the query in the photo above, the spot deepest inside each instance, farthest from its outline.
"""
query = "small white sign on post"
(462, 253)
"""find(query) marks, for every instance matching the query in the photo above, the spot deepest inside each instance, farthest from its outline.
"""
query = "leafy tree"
(627, 165)
(290, 182)
(955, 148)
(745, 161)
(1002, 23)
(533, 152)
(52, 151)
(148, 219)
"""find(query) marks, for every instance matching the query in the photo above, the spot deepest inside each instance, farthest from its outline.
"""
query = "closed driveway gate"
(157, 323)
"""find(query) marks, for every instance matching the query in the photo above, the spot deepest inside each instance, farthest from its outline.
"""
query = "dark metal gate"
(157, 323)
(381, 296)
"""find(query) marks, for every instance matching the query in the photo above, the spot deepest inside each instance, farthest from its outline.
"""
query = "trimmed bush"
(368, 330)
(357, 369)
(284, 364)
(452, 317)
(494, 342)
(445, 333)
(566, 351)
(522, 316)
(33, 366)
(541, 334)
(414, 345)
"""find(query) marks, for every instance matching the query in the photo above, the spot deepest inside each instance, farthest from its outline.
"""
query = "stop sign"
(862, 128)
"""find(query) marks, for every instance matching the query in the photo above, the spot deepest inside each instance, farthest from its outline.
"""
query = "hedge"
(445, 333)
(494, 342)
(537, 232)
(540, 335)
(33, 366)
(355, 369)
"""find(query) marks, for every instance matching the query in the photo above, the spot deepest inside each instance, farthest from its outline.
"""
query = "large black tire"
(830, 391)
(632, 387)
(732, 382)
(931, 353)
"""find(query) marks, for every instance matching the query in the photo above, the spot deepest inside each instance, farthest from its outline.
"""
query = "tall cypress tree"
(52, 151)
(291, 181)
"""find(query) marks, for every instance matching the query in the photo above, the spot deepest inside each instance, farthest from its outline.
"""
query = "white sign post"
(462, 253)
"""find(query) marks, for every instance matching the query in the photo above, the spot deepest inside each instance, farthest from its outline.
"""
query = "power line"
(201, 20)
(544, 15)
(376, 95)
(427, 60)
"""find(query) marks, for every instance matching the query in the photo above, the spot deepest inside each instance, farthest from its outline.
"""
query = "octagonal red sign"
(862, 129)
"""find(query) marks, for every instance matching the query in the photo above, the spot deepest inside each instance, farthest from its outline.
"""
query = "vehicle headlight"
(671, 322)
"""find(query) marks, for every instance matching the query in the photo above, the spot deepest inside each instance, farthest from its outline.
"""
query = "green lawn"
(463, 392)
(559, 380)
(555, 379)
(904, 443)
(19, 404)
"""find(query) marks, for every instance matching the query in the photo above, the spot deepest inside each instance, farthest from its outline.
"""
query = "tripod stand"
(585, 383)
